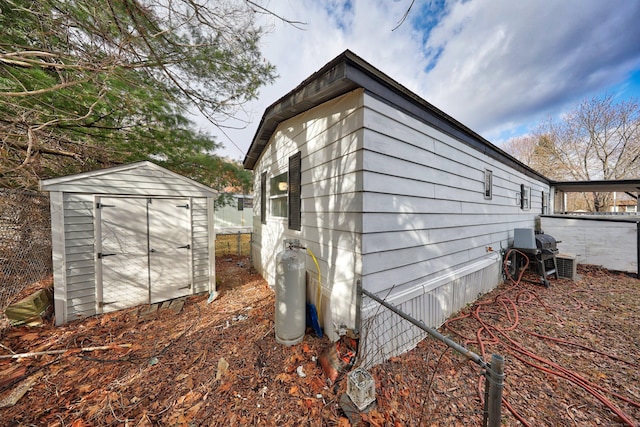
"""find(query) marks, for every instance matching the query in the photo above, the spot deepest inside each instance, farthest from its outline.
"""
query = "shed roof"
(347, 72)
(139, 179)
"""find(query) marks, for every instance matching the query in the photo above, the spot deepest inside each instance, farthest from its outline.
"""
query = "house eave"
(329, 82)
(348, 72)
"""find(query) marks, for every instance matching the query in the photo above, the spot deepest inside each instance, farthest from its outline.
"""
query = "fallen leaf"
(283, 377)
(223, 366)
(317, 384)
(20, 390)
(85, 388)
(30, 336)
(225, 387)
(193, 411)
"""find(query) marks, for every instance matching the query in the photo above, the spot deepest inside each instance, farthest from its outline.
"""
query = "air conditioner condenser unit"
(567, 266)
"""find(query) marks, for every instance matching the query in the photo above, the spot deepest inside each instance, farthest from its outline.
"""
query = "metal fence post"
(493, 372)
(638, 246)
(239, 245)
(493, 391)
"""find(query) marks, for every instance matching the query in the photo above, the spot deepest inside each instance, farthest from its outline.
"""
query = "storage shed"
(129, 235)
(388, 192)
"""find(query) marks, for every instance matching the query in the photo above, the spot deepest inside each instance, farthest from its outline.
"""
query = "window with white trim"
(278, 191)
(525, 197)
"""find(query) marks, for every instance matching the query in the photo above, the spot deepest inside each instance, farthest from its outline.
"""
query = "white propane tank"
(290, 294)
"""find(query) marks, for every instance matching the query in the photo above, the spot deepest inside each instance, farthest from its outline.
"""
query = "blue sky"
(498, 66)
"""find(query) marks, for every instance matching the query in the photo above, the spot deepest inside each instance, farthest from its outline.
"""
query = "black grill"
(546, 244)
(543, 256)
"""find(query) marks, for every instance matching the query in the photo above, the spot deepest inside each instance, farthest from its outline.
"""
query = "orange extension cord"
(499, 335)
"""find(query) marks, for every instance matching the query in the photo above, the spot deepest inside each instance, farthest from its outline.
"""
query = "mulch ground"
(570, 351)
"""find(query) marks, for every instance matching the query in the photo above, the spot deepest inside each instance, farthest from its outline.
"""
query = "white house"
(388, 192)
(128, 235)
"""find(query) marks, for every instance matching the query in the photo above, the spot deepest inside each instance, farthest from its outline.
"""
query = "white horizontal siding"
(424, 211)
(387, 198)
(388, 241)
(329, 138)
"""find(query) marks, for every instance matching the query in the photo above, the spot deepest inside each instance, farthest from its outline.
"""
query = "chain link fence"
(25, 241)
(231, 242)
(434, 375)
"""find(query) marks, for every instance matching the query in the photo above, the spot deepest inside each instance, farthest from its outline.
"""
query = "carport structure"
(607, 239)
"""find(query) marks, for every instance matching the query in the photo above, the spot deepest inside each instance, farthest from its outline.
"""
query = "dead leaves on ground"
(173, 374)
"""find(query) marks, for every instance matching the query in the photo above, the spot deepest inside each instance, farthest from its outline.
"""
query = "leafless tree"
(598, 140)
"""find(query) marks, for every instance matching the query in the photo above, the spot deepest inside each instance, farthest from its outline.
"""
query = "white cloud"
(506, 62)
(494, 65)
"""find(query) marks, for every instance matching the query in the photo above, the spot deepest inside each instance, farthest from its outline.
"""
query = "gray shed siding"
(203, 236)
(144, 180)
(79, 247)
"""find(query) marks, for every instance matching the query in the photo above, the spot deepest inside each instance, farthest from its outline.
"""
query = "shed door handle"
(184, 247)
(101, 255)
(152, 250)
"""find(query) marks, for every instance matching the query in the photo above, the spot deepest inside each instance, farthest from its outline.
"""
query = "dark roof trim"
(347, 72)
(325, 84)
(602, 186)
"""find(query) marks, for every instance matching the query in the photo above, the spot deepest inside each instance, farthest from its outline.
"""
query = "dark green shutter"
(295, 178)
(263, 198)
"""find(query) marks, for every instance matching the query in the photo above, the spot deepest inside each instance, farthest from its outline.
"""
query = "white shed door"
(169, 249)
(124, 255)
(145, 253)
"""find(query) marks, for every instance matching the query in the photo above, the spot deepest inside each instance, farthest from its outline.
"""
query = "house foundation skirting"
(385, 334)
